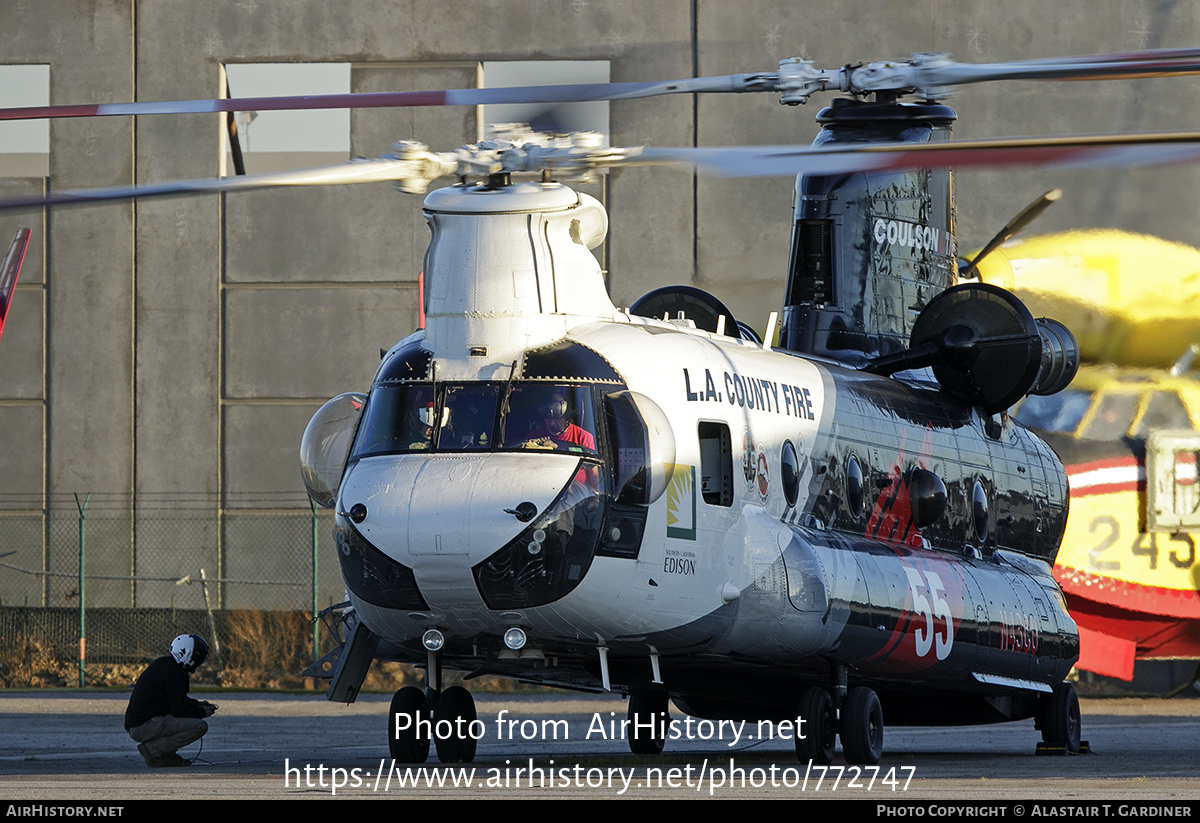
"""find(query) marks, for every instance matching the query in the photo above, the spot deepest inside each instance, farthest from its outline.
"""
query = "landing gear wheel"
(408, 742)
(455, 706)
(862, 727)
(1061, 726)
(820, 727)
(642, 707)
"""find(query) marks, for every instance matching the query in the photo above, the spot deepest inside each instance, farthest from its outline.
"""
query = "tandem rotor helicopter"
(655, 502)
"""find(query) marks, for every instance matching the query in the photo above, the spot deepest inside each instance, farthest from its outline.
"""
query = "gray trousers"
(165, 735)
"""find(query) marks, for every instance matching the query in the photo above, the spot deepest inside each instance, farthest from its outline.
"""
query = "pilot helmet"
(426, 415)
(189, 651)
(554, 406)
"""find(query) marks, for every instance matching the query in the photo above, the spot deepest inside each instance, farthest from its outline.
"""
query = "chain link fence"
(106, 579)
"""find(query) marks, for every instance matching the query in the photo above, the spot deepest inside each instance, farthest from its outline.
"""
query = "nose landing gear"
(408, 726)
(455, 713)
(447, 717)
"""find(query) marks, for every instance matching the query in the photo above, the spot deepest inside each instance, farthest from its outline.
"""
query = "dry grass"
(262, 650)
(33, 663)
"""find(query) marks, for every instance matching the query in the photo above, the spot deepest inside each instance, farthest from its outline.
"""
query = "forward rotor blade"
(736, 161)
(1059, 152)
(357, 171)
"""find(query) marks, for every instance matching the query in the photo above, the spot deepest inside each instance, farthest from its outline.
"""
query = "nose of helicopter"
(440, 515)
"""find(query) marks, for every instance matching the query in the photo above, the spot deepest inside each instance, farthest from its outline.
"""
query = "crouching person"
(161, 717)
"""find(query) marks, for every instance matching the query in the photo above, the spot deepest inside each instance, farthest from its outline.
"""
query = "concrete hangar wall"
(165, 356)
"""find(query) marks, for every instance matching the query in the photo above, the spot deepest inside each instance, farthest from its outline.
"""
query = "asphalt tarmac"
(70, 745)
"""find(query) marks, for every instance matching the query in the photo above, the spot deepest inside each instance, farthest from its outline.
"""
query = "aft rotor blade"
(1121, 67)
(1013, 227)
(1189, 53)
(585, 92)
(920, 72)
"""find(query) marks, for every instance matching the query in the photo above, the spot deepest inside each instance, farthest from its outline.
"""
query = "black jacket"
(161, 690)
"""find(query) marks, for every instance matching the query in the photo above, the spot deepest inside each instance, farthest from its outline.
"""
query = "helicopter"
(1126, 430)
(657, 502)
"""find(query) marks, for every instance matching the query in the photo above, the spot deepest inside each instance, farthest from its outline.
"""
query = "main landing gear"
(649, 720)
(447, 717)
(860, 726)
(1060, 723)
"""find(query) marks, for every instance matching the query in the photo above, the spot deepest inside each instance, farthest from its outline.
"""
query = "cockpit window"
(419, 417)
(1113, 417)
(470, 417)
(551, 417)
(1164, 411)
(397, 419)
(1059, 412)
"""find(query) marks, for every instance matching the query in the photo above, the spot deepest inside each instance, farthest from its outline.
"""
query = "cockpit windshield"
(484, 416)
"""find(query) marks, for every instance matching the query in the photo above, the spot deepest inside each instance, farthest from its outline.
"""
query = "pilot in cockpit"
(550, 421)
(417, 432)
(552, 426)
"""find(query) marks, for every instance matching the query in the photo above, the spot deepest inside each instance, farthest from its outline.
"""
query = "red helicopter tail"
(10, 270)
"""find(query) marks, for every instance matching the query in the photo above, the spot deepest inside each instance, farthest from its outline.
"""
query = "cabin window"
(397, 419)
(789, 465)
(716, 464)
(469, 418)
(551, 417)
(854, 487)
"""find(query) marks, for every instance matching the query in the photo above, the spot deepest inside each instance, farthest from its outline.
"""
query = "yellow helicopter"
(1128, 431)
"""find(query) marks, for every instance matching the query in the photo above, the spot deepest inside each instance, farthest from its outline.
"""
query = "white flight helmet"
(189, 651)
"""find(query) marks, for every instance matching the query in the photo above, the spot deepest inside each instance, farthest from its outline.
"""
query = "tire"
(455, 705)
(1061, 726)
(646, 705)
(409, 744)
(862, 727)
(820, 734)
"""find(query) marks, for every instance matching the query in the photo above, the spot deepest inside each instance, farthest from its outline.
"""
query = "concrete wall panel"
(21, 456)
(255, 467)
(310, 343)
(353, 234)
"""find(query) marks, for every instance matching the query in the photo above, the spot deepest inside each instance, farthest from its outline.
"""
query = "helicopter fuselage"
(783, 541)
(543, 487)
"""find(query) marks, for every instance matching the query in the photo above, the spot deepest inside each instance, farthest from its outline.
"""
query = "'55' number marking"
(926, 638)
